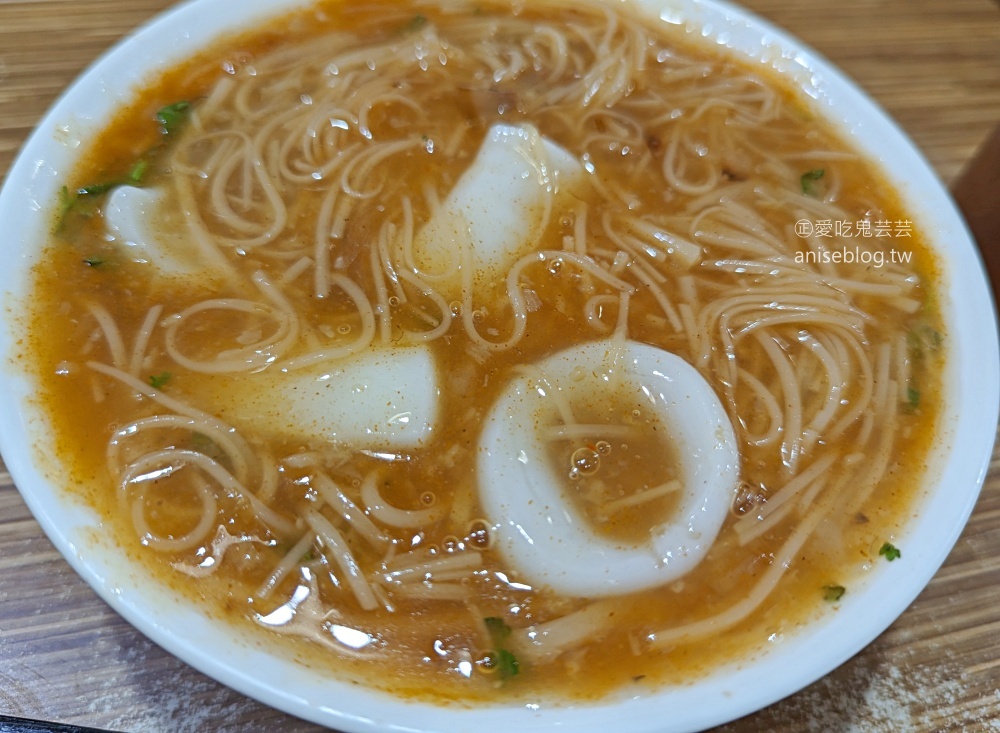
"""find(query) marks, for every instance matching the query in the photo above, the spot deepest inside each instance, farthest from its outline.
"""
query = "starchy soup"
(487, 351)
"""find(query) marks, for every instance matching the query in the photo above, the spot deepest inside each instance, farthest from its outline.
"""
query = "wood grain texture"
(934, 65)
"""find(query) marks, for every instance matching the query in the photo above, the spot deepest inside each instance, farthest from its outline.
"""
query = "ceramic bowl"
(958, 465)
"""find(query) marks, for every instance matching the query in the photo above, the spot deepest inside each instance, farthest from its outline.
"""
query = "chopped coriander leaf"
(138, 171)
(95, 190)
(506, 664)
(82, 201)
(65, 201)
(889, 551)
(833, 593)
(808, 180)
(501, 659)
(204, 444)
(922, 338)
(173, 116)
(77, 201)
(156, 381)
(416, 23)
(93, 261)
(912, 398)
(499, 631)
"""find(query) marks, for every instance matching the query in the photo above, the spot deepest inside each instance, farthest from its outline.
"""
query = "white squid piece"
(545, 538)
(383, 399)
(497, 210)
(135, 220)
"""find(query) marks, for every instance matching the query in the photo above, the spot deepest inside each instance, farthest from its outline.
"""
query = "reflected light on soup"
(473, 351)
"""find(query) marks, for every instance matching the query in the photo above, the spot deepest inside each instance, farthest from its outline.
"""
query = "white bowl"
(959, 462)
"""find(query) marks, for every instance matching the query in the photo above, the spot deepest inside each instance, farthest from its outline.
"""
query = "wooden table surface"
(934, 65)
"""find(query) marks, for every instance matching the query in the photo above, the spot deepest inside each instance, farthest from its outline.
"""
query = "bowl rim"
(969, 423)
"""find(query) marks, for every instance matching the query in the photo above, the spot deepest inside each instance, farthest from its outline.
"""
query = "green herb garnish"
(500, 658)
(156, 381)
(833, 593)
(499, 631)
(95, 190)
(889, 551)
(138, 171)
(173, 116)
(416, 23)
(809, 179)
(65, 201)
(923, 337)
(912, 398)
(204, 444)
(84, 200)
(93, 261)
(506, 664)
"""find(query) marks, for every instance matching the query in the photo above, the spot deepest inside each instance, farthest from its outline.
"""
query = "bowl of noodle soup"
(429, 366)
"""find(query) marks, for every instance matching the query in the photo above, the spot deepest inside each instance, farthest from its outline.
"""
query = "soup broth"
(292, 174)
